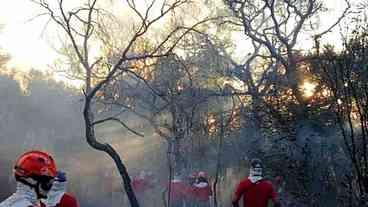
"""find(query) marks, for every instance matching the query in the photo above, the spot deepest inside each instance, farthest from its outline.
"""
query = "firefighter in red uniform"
(256, 191)
(34, 172)
(57, 196)
(202, 191)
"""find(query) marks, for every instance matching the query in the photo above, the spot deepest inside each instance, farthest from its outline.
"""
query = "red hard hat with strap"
(35, 163)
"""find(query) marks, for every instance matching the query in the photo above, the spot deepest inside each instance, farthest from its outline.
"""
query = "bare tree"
(81, 24)
(274, 27)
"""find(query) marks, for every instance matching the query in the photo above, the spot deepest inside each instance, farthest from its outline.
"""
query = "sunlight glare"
(308, 89)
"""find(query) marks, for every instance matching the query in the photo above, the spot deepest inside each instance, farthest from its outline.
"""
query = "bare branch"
(120, 122)
(342, 16)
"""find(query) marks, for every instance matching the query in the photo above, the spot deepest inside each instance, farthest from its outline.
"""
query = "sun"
(308, 88)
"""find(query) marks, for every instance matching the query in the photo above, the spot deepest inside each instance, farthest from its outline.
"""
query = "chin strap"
(55, 194)
(41, 192)
(40, 189)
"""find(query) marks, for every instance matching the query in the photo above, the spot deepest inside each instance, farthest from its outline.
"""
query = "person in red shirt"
(202, 191)
(58, 197)
(256, 191)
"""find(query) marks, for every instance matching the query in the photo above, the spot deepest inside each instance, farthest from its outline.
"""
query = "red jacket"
(66, 201)
(201, 191)
(254, 194)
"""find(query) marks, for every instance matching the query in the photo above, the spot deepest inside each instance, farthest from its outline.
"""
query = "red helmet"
(35, 163)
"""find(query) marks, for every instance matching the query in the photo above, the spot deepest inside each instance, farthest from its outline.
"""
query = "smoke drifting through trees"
(48, 118)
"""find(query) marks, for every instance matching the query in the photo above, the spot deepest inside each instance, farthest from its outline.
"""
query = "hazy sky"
(27, 45)
(22, 38)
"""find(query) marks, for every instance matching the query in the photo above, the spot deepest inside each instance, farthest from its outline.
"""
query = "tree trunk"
(91, 139)
(219, 158)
